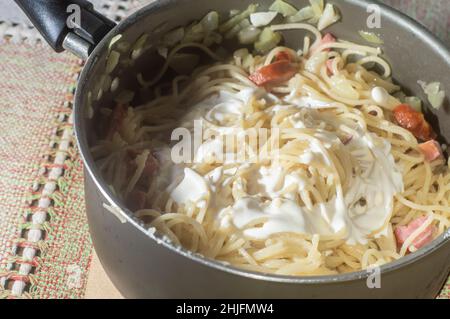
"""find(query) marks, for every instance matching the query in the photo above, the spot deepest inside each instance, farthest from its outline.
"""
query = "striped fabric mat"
(45, 248)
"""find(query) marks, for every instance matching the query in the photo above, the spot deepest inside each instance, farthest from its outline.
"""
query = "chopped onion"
(194, 33)
(173, 37)
(434, 94)
(212, 38)
(344, 87)
(431, 88)
(268, 40)
(414, 102)
(113, 60)
(204, 30)
(283, 8)
(210, 22)
(234, 12)
(184, 63)
(303, 15)
(115, 84)
(371, 37)
(136, 50)
(163, 51)
(317, 6)
(241, 53)
(248, 61)
(114, 41)
(261, 19)
(328, 17)
(238, 27)
(235, 20)
(249, 35)
(315, 62)
(436, 100)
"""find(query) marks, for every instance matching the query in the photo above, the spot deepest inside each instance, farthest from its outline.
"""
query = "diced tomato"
(402, 233)
(283, 56)
(414, 122)
(431, 149)
(327, 38)
(151, 166)
(277, 72)
(136, 200)
(118, 115)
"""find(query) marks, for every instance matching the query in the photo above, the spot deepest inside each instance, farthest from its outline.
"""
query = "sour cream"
(265, 200)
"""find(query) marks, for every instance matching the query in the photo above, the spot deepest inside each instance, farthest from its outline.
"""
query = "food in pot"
(281, 160)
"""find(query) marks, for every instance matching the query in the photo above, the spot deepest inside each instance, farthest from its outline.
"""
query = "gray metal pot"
(142, 265)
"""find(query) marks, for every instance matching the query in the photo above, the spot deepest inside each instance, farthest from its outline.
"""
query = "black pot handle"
(67, 24)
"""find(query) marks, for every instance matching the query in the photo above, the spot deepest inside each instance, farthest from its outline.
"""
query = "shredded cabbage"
(241, 53)
(261, 19)
(113, 41)
(328, 17)
(249, 35)
(238, 27)
(371, 37)
(434, 94)
(203, 31)
(113, 60)
(138, 46)
(248, 61)
(314, 64)
(235, 20)
(303, 15)
(344, 87)
(268, 40)
(194, 33)
(210, 22)
(414, 102)
(283, 8)
(317, 7)
(212, 38)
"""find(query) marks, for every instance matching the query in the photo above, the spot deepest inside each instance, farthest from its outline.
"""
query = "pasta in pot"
(335, 179)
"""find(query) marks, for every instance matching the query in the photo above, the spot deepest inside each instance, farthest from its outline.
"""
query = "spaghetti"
(332, 185)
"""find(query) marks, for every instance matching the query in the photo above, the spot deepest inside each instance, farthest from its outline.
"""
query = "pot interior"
(412, 53)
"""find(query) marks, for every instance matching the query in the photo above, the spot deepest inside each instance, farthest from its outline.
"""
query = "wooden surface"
(99, 286)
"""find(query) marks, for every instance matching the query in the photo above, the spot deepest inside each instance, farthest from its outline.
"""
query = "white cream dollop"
(192, 188)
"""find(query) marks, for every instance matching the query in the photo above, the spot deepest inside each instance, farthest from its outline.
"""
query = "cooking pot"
(142, 264)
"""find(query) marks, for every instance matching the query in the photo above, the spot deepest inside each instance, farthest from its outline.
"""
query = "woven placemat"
(45, 248)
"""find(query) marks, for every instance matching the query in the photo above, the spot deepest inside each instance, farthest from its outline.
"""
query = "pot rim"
(406, 22)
